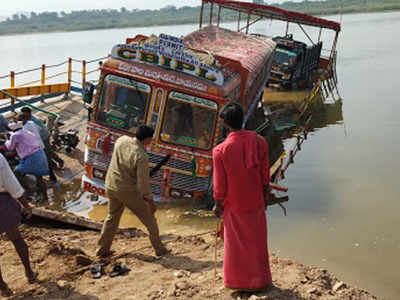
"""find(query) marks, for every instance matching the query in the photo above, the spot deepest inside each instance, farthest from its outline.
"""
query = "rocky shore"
(63, 257)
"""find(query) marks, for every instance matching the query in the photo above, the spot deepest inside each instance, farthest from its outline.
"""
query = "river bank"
(61, 256)
(87, 20)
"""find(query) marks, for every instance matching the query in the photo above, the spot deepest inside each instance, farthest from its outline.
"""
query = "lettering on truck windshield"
(123, 103)
(189, 121)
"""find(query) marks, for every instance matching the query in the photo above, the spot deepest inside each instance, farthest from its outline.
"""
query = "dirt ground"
(62, 256)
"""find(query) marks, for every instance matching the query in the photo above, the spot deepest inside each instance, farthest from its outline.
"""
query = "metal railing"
(45, 77)
(41, 87)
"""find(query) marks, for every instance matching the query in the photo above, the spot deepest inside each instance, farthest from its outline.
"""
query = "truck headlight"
(175, 193)
(100, 174)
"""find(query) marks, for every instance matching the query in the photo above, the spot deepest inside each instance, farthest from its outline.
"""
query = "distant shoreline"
(183, 21)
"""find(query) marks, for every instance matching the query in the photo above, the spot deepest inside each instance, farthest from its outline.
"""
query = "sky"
(7, 8)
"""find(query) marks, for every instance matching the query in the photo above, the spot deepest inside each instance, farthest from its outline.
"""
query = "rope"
(97, 59)
(57, 65)
(28, 83)
(36, 81)
(58, 74)
(27, 71)
(215, 250)
(95, 70)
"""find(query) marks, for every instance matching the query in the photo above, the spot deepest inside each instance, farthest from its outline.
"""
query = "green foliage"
(168, 15)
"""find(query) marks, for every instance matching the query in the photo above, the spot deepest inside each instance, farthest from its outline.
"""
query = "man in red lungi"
(241, 174)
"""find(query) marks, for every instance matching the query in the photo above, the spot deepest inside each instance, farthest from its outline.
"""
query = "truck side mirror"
(88, 92)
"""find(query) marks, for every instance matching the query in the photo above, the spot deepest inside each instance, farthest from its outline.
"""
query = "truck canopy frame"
(264, 11)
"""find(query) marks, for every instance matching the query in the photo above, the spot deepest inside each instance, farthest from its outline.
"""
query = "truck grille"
(172, 162)
(156, 189)
(189, 183)
(178, 180)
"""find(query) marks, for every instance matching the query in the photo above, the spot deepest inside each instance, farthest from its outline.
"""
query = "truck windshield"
(283, 56)
(123, 103)
(189, 121)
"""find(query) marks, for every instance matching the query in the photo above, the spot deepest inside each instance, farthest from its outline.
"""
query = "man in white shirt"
(32, 127)
(10, 218)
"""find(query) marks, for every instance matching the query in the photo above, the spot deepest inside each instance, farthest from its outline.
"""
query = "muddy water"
(343, 212)
(173, 215)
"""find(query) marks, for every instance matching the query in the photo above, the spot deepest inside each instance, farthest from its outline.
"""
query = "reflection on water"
(329, 114)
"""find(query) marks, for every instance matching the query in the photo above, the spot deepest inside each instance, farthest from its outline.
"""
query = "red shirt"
(240, 170)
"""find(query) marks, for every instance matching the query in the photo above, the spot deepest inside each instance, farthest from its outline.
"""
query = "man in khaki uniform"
(127, 184)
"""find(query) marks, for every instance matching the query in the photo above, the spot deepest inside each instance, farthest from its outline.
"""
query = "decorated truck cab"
(177, 86)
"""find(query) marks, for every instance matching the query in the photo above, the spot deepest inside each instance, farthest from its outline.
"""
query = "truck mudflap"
(93, 186)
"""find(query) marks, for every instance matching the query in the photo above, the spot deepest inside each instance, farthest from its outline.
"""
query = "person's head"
(27, 112)
(23, 117)
(144, 134)
(232, 114)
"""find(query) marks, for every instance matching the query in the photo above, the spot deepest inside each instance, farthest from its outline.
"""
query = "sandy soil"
(63, 257)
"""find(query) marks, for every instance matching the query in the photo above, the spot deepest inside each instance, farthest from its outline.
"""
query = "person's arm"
(143, 180)
(26, 207)
(219, 182)
(11, 144)
(13, 187)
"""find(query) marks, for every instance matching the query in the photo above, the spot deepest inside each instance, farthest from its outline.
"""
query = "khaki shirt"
(129, 168)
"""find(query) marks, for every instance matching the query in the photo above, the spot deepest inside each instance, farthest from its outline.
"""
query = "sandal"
(119, 269)
(96, 270)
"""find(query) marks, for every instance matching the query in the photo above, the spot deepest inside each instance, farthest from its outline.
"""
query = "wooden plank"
(275, 167)
(69, 218)
(65, 217)
(37, 90)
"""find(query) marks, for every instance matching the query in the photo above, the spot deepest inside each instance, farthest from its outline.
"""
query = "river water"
(343, 213)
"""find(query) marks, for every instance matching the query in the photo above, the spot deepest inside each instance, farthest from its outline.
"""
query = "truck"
(294, 64)
(177, 85)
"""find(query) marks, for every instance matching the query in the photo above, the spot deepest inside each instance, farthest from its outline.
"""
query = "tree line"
(169, 15)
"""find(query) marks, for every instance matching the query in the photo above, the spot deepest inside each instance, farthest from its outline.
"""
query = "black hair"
(26, 109)
(144, 132)
(232, 114)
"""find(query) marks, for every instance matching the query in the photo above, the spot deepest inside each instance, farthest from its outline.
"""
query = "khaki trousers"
(117, 201)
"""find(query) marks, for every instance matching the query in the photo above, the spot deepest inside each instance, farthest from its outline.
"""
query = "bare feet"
(5, 290)
(32, 277)
(105, 254)
(162, 251)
